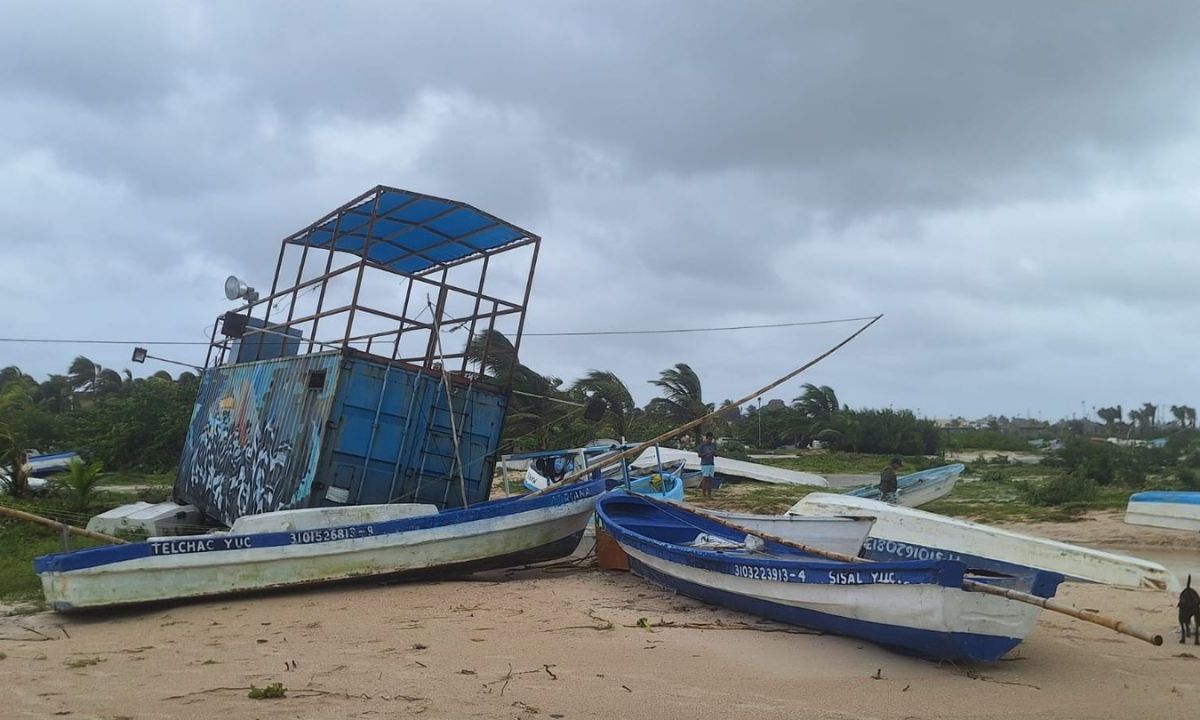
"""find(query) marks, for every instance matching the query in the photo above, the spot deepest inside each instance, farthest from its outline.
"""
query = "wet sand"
(564, 642)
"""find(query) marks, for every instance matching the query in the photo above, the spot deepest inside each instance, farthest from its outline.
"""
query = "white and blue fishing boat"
(901, 533)
(303, 547)
(917, 607)
(43, 464)
(365, 447)
(918, 488)
(548, 466)
(1159, 508)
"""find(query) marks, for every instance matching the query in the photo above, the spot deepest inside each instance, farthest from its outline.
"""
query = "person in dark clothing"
(708, 465)
(888, 487)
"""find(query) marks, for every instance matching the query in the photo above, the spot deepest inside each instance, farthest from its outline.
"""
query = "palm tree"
(80, 483)
(108, 382)
(1110, 416)
(606, 386)
(55, 393)
(532, 411)
(682, 399)
(1180, 413)
(164, 375)
(818, 403)
(12, 459)
(83, 373)
(1149, 411)
(818, 407)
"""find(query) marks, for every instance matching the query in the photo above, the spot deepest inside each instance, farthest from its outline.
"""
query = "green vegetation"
(79, 484)
(274, 691)
(825, 463)
(1009, 500)
(973, 439)
(20, 543)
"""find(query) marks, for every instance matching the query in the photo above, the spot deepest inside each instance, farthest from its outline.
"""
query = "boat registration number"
(329, 534)
(755, 572)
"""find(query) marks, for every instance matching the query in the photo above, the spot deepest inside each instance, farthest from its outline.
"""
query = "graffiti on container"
(239, 471)
(255, 436)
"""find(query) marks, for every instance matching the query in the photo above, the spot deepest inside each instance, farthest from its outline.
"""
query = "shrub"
(1061, 490)
(993, 476)
(1188, 478)
(733, 450)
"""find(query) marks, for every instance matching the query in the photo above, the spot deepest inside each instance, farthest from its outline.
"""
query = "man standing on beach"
(708, 465)
(887, 482)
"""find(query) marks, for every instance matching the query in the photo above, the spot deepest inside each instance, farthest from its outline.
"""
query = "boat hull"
(911, 534)
(491, 535)
(1171, 510)
(996, 625)
(917, 489)
(917, 608)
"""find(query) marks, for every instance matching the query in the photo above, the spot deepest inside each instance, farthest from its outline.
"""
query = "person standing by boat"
(888, 487)
(708, 465)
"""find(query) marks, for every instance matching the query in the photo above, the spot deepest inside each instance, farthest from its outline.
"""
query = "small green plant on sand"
(83, 662)
(80, 484)
(274, 691)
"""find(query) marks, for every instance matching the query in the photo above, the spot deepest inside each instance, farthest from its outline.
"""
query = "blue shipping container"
(336, 428)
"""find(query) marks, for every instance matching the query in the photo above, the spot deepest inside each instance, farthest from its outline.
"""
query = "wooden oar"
(55, 525)
(971, 585)
(639, 449)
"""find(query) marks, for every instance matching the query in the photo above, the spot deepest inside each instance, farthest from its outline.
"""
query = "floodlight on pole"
(140, 354)
(237, 289)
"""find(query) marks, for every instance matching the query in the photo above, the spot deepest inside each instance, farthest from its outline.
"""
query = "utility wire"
(528, 334)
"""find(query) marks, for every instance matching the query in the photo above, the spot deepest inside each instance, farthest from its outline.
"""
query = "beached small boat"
(299, 547)
(42, 464)
(923, 486)
(917, 607)
(728, 468)
(901, 533)
(1157, 508)
(667, 483)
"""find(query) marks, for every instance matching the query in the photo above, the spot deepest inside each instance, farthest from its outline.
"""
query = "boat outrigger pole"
(639, 449)
(62, 527)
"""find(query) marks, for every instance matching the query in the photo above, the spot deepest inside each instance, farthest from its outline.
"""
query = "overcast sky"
(1016, 186)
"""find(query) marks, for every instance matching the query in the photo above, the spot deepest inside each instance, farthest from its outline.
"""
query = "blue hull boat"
(918, 608)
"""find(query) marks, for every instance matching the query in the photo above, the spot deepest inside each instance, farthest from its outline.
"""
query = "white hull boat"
(299, 547)
(729, 468)
(1171, 510)
(901, 533)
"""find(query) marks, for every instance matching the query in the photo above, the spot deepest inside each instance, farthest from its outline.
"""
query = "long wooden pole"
(55, 525)
(639, 449)
(970, 585)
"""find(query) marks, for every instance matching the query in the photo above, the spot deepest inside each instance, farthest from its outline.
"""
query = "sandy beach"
(564, 642)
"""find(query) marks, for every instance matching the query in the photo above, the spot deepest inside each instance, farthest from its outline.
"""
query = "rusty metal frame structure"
(392, 232)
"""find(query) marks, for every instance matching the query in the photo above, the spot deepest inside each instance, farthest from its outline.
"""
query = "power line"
(698, 330)
(581, 333)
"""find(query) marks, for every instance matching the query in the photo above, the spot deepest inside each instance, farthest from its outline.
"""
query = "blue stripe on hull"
(926, 643)
(1166, 496)
(894, 551)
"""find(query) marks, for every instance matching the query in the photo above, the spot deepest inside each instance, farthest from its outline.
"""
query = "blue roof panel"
(408, 232)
